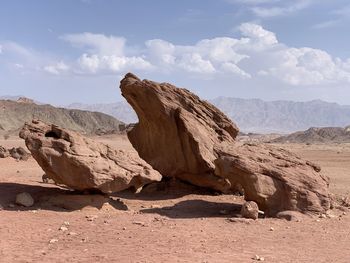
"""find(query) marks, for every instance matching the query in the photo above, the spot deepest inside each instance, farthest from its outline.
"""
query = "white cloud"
(104, 54)
(97, 43)
(273, 8)
(207, 56)
(57, 68)
(258, 37)
(233, 68)
(195, 63)
(273, 11)
(96, 63)
(255, 56)
(18, 65)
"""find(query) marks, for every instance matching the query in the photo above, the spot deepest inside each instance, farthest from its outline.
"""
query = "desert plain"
(165, 222)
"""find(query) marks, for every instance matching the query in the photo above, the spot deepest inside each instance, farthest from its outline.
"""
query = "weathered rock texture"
(83, 164)
(19, 153)
(250, 210)
(4, 152)
(182, 136)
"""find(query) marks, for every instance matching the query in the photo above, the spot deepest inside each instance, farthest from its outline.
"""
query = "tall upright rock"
(182, 136)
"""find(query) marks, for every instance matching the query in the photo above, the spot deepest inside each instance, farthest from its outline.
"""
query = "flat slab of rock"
(80, 163)
(182, 136)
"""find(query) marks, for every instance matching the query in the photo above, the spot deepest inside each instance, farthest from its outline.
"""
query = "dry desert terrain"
(167, 223)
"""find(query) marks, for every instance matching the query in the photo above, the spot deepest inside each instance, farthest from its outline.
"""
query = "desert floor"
(168, 224)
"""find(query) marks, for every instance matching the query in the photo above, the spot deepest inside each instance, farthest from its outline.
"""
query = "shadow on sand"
(197, 209)
(50, 197)
(54, 198)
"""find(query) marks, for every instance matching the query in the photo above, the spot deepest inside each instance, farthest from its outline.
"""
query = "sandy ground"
(163, 226)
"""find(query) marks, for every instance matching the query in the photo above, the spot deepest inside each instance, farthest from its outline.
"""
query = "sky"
(65, 51)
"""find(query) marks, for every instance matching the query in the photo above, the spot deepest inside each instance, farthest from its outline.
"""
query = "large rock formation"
(83, 164)
(182, 136)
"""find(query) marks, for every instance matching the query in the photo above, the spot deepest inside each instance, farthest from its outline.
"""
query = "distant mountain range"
(14, 113)
(255, 115)
(317, 135)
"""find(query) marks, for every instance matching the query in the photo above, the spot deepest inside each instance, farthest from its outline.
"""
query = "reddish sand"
(165, 225)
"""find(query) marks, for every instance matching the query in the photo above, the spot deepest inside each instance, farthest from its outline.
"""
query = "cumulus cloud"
(257, 55)
(207, 56)
(104, 54)
(95, 63)
(57, 68)
(97, 43)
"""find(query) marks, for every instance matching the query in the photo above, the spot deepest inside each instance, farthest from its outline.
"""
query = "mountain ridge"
(255, 115)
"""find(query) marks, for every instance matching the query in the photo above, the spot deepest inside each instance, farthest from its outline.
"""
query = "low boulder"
(4, 153)
(24, 199)
(80, 163)
(19, 153)
(250, 210)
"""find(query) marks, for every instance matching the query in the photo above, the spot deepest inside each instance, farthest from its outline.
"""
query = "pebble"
(72, 234)
(91, 218)
(24, 199)
(63, 228)
(272, 229)
(139, 223)
(54, 240)
(258, 258)
(323, 216)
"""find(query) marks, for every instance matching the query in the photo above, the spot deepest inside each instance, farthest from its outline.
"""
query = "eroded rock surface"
(177, 132)
(4, 153)
(182, 136)
(19, 153)
(83, 164)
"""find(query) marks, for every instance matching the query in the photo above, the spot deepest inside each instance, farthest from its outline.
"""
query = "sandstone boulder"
(177, 132)
(250, 210)
(182, 136)
(4, 153)
(24, 199)
(82, 164)
(19, 153)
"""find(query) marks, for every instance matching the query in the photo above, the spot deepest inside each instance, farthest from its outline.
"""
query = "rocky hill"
(255, 115)
(317, 135)
(13, 114)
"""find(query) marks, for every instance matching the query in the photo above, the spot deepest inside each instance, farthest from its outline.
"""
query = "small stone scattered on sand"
(25, 199)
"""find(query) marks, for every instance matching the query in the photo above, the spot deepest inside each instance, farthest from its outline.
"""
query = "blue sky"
(64, 51)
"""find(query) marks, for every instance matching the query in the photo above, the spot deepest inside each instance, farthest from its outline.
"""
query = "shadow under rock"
(164, 190)
(53, 198)
(197, 209)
